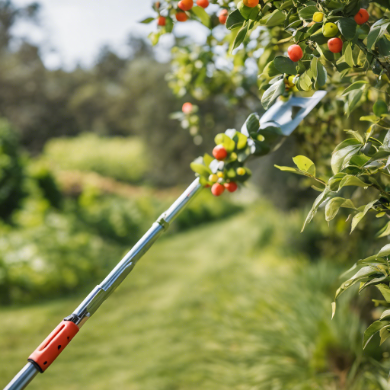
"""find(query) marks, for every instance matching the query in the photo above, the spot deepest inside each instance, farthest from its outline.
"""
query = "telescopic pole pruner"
(281, 114)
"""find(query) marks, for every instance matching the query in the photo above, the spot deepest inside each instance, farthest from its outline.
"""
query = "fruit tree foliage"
(297, 47)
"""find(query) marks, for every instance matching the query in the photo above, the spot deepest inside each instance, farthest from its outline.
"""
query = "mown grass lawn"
(217, 307)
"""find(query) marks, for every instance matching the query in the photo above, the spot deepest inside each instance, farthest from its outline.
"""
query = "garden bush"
(296, 47)
(50, 259)
(121, 158)
(205, 208)
(44, 177)
(49, 252)
(112, 217)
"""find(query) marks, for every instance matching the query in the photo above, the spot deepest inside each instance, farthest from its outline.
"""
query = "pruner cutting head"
(266, 134)
(285, 114)
(262, 136)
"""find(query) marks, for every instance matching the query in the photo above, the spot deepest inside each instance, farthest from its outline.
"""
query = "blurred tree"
(118, 96)
(11, 171)
(9, 15)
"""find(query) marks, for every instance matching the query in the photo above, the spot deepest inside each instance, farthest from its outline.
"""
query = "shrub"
(45, 180)
(51, 259)
(115, 218)
(205, 208)
(126, 219)
(117, 157)
(49, 252)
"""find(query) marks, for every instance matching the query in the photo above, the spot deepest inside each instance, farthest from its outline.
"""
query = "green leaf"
(372, 282)
(248, 12)
(347, 27)
(154, 37)
(385, 315)
(207, 159)
(242, 140)
(384, 334)
(313, 67)
(147, 20)
(307, 12)
(321, 74)
(318, 37)
(343, 155)
(305, 164)
(375, 327)
(380, 107)
(377, 31)
(345, 143)
(317, 203)
(385, 231)
(348, 55)
(270, 70)
(252, 124)
(333, 309)
(334, 205)
(203, 180)
(290, 169)
(362, 275)
(380, 302)
(358, 160)
(373, 260)
(333, 182)
(203, 16)
(383, 46)
(384, 252)
(240, 35)
(353, 100)
(200, 169)
(351, 180)
(360, 215)
(272, 93)
(385, 291)
(285, 65)
(304, 82)
(357, 135)
(356, 85)
(234, 20)
(228, 144)
(276, 18)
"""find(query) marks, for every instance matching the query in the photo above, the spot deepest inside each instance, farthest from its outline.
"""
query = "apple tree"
(297, 47)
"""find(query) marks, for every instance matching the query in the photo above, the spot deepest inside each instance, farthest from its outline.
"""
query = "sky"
(73, 31)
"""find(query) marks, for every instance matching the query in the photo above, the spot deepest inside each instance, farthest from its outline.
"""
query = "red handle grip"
(54, 344)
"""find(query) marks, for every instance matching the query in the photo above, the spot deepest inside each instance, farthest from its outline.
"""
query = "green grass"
(206, 309)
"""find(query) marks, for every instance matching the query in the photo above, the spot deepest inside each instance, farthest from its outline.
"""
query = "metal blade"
(281, 113)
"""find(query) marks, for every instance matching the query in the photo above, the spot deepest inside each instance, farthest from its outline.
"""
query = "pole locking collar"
(161, 221)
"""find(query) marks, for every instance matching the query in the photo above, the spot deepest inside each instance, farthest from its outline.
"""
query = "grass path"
(191, 315)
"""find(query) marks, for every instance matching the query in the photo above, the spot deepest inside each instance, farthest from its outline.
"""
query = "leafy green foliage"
(124, 159)
(372, 271)
(356, 78)
(50, 253)
(359, 162)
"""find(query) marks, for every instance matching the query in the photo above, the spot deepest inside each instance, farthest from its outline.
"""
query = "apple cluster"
(329, 30)
(225, 169)
(182, 9)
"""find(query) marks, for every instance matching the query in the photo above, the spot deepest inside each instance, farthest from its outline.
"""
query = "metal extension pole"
(54, 344)
(280, 114)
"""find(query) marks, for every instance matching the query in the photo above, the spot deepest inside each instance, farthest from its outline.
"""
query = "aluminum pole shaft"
(102, 291)
(23, 378)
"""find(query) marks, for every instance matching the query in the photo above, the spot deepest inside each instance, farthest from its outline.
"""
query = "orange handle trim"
(54, 344)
